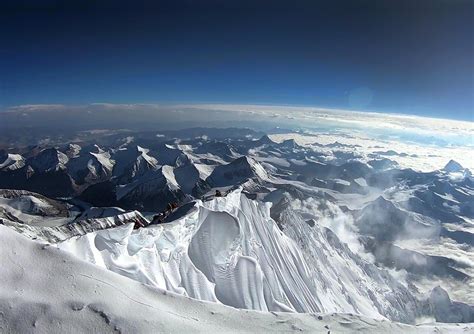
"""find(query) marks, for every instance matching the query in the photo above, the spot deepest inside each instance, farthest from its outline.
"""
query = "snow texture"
(46, 290)
(230, 251)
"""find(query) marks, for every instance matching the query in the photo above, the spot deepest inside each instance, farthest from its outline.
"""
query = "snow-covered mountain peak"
(168, 174)
(382, 219)
(49, 160)
(73, 150)
(151, 161)
(101, 165)
(237, 172)
(135, 162)
(265, 140)
(182, 160)
(290, 144)
(98, 149)
(144, 153)
(10, 162)
(383, 204)
(142, 149)
(251, 163)
(453, 166)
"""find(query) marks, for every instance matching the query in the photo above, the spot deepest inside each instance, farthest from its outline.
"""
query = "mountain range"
(288, 230)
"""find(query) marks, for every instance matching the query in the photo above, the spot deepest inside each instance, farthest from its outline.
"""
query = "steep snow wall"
(230, 251)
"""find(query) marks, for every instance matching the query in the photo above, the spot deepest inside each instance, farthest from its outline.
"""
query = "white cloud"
(357, 119)
(421, 157)
(36, 107)
(429, 143)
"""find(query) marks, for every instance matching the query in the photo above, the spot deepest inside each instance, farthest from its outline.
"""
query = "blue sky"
(405, 57)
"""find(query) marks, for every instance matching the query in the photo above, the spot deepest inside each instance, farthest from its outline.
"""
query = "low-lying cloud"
(422, 143)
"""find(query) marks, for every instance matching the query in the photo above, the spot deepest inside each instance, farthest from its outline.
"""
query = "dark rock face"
(237, 172)
(100, 194)
(51, 184)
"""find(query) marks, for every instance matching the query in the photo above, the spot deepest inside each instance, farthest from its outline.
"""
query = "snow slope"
(152, 191)
(27, 207)
(141, 164)
(453, 166)
(237, 172)
(99, 212)
(230, 251)
(11, 162)
(45, 290)
(54, 234)
(91, 167)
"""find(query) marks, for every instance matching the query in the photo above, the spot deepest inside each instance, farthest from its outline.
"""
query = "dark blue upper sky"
(412, 57)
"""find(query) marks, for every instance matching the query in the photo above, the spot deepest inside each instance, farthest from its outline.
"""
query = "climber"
(158, 219)
(218, 193)
(137, 225)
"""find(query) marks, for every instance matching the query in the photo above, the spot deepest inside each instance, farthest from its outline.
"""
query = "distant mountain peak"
(265, 140)
(73, 150)
(290, 143)
(182, 160)
(383, 203)
(50, 159)
(453, 166)
(11, 161)
(168, 174)
(238, 171)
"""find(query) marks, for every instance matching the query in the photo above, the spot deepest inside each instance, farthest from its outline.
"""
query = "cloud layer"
(421, 143)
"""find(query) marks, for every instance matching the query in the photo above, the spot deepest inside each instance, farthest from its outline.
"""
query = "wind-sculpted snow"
(345, 273)
(230, 251)
(45, 290)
